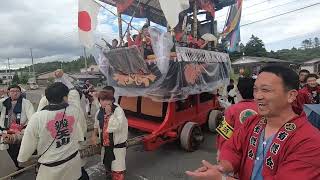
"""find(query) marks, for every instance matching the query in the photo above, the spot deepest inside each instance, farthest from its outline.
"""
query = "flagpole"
(9, 66)
(33, 72)
(120, 29)
(85, 59)
(9, 73)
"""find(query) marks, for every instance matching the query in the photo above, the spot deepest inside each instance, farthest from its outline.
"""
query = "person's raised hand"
(207, 172)
(58, 73)
(3, 92)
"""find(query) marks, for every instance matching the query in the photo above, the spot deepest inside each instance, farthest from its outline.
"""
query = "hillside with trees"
(72, 66)
(310, 49)
(40, 68)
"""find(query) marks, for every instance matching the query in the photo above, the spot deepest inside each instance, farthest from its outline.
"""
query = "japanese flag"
(87, 21)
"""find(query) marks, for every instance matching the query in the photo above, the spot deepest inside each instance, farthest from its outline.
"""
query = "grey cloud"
(50, 27)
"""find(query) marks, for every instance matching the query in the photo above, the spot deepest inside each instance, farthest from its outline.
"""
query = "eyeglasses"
(14, 91)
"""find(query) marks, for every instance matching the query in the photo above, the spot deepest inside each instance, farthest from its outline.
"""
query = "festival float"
(166, 79)
(168, 93)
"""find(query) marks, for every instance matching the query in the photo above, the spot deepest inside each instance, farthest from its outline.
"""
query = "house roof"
(84, 76)
(250, 59)
(48, 75)
(312, 61)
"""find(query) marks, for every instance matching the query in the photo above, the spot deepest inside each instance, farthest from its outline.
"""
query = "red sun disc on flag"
(84, 21)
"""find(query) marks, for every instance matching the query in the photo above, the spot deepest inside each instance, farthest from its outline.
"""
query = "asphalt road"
(169, 162)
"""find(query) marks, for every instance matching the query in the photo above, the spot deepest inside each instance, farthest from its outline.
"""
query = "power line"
(257, 4)
(247, 7)
(271, 17)
(280, 5)
(296, 37)
(273, 7)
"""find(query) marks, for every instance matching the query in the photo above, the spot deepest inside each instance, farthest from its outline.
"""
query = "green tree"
(24, 78)
(310, 45)
(305, 44)
(50, 80)
(316, 42)
(241, 47)
(247, 72)
(15, 79)
(255, 47)
(67, 65)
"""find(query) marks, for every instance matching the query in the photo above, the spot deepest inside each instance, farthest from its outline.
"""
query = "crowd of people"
(266, 135)
(56, 133)
(142, 41)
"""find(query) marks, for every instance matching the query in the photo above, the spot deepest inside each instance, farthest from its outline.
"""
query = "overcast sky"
(50, 27)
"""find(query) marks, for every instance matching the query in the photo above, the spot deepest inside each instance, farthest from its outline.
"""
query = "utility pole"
(33, 72)
(9, 67)
(9, 73)
(85, 59)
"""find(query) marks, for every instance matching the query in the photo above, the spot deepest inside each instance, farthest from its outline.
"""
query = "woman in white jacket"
(112, 126)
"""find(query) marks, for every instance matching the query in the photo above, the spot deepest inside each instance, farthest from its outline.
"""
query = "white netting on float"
(162, 44)
(102, 63)
(200, 55)
(166, 78)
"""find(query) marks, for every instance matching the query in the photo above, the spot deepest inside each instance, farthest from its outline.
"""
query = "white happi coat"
(118, 125)
(40, 133)
(26, 112)
(73, 99)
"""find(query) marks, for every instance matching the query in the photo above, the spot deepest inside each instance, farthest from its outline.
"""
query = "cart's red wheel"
(213, 119)
(191, 136)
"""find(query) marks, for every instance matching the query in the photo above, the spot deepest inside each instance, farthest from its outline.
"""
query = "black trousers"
(84, 174)
(231, 100)
(107, 161)
(13, 152)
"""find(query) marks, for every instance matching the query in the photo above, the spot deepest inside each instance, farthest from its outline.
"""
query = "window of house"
(318, 68)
